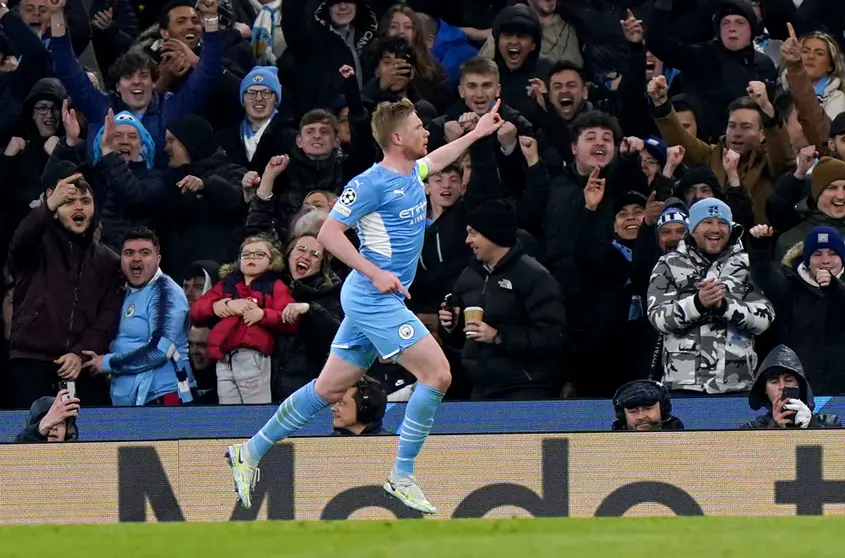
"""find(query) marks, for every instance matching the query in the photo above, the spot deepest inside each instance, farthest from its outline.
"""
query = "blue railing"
(163, 423)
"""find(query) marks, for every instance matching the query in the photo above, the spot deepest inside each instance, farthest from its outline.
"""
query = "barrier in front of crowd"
(794, 472)
(162, 423)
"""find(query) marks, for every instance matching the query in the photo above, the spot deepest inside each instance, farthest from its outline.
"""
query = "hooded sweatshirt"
(41, 407)
(514, 82)
(783, 359)
(22, 172)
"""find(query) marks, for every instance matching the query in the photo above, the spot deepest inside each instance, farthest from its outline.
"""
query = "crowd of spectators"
(664, 205)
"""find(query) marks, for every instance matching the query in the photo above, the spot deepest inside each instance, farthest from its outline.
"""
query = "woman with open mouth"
(299, 357)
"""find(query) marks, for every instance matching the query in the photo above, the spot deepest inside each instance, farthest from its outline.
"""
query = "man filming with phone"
(781, 387)
(52, 419)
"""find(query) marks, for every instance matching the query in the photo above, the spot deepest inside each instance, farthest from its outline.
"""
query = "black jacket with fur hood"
(810, 319)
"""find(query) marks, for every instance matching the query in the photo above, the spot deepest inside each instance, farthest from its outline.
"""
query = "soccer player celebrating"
(387, 203)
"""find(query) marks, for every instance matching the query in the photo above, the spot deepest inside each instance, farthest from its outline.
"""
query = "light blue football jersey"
(389, 211)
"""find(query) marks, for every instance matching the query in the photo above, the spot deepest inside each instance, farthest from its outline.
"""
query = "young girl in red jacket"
(244, 311)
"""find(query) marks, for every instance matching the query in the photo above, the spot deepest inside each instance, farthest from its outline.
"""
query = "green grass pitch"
(711, 537)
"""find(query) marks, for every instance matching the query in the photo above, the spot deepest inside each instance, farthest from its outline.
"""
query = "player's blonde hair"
(387, 118)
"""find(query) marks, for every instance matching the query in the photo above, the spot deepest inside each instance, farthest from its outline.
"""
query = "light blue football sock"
(419, 418)
(292, 414)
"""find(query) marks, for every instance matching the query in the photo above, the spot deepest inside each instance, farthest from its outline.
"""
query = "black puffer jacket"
(715, 74)
(515, 81)
(522, 301)
(299, 358)
(41, 407)
(784, 359)
(205, 225)
(810, 319)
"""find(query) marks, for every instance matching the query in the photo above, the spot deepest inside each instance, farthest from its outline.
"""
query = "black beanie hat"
(699, 174)
(630, 197)
(742, 8)
(496, 221)
(196, 134)
(61, 170)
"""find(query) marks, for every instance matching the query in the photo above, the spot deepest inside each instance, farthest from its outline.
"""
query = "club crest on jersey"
(348, 197)
(129, 311)
(406, 331)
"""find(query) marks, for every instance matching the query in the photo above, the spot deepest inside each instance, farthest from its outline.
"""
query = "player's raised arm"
(446, 155)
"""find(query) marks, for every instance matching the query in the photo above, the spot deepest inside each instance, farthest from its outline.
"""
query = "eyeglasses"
(312, 253)
(254, 255)
(265, 94)
(650, 161)
(44, 109)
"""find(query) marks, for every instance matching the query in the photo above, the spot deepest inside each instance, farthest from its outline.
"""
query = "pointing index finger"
(595, 172)
(495, 108)
(791, 30)
(630, 14)
(652, 196)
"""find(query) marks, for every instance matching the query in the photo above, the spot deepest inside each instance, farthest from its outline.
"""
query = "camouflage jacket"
(707, 350)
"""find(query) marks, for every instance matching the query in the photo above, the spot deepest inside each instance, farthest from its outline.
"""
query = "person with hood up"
(26, 154)
(133, 191)
(782, 370)
(808, 295)
(559, 41)
(825, 206)
(702, 299)
(52, 419)
(718, 71)
(67, 292)
(135, 75)
(513, 351)
(199, 277)
(740, 158)
(518, 37)
(206, 210)
(321, 40)
(605, 257)
(644, 406)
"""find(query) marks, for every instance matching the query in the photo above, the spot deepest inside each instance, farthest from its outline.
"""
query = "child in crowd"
(244, 311)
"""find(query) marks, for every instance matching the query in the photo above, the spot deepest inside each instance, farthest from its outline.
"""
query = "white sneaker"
(405, 488)
(243, 475)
